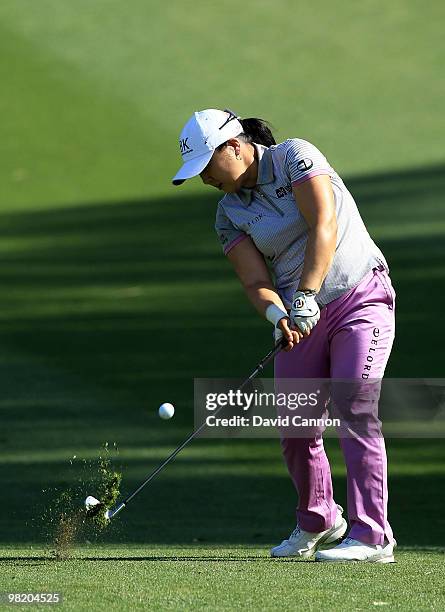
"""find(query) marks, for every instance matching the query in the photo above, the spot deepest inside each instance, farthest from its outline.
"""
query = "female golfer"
(300, 248)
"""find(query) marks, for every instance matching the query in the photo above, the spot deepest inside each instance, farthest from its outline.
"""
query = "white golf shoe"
(353, 550)
(304, 543)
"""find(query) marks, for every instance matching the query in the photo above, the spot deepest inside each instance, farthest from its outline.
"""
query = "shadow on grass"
(36, 560)
(120, 292)
(112, 308)
(194, 505)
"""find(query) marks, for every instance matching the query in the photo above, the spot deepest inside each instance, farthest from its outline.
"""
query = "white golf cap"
(201, 135)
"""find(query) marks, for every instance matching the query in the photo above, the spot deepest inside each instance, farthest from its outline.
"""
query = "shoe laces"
(296, 532)
(358, 543)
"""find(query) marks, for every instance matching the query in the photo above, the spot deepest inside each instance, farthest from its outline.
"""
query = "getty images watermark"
(251, 403)
(307, 407)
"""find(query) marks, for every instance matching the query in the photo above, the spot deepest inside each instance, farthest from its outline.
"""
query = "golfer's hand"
(283, 330)
(305, 312)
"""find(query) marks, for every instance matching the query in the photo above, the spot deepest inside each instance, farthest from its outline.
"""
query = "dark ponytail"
(257, 130)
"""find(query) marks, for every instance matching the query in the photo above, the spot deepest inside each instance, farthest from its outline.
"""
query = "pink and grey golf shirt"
(269, 214)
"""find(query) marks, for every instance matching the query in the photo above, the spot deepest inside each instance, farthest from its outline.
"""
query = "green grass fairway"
(94, 93)
(115, 294)
(204, 529)
(222, 578)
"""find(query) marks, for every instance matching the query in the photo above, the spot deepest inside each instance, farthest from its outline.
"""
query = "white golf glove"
(305, 312)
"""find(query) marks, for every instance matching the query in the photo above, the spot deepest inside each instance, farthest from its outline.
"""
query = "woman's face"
(227, 168)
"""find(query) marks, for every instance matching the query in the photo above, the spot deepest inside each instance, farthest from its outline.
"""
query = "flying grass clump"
(108, 491)
(64, 521)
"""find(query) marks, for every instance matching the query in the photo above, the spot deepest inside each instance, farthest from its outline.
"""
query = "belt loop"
(386, 287)
(379, 268)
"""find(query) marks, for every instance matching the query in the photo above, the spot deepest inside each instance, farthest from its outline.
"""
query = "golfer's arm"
(254, 275)
(315, 199)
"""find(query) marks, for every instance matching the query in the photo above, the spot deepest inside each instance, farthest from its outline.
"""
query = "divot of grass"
(67, 522)
(108, 491)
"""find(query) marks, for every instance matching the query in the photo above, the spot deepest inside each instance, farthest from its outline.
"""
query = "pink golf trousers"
(352, 340)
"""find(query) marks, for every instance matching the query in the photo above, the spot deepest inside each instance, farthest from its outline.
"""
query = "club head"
(91, 502)
(113, 511)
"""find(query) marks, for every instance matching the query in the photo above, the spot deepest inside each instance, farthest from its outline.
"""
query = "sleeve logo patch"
(305, 164)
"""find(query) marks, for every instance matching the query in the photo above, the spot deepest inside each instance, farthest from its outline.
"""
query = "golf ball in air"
(166, 410)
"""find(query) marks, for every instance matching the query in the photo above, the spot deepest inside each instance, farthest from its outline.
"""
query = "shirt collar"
(265, 172)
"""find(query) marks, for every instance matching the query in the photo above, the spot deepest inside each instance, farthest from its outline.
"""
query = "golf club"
(94, 506)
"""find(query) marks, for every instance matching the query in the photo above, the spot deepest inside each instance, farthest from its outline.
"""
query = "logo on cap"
(184, 147)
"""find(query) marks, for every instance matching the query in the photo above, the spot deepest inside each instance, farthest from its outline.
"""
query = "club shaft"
(259, 368)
